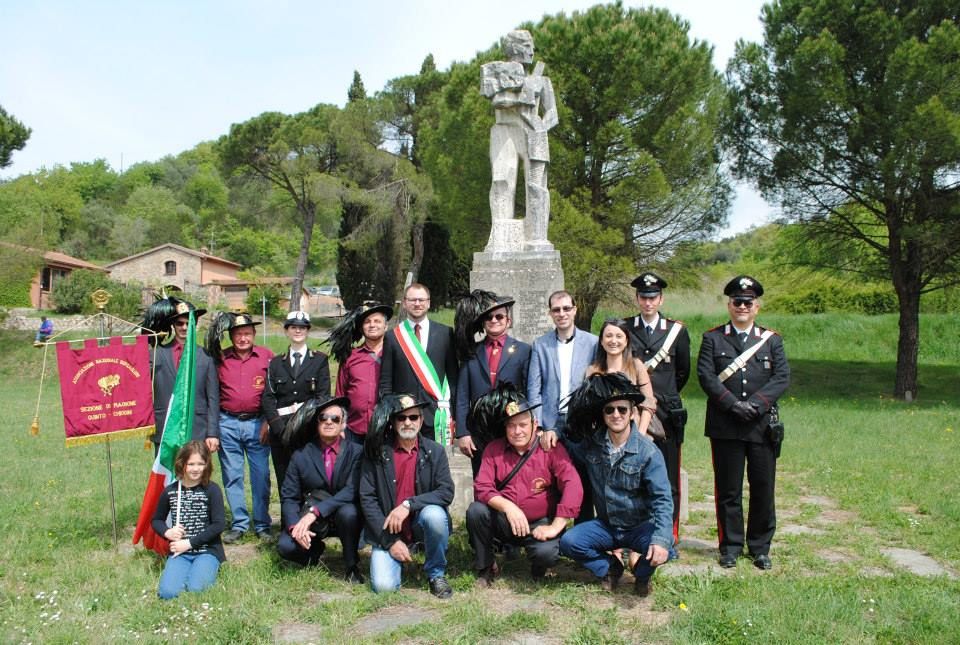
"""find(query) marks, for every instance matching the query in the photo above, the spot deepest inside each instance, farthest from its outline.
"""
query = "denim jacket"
(634, 489)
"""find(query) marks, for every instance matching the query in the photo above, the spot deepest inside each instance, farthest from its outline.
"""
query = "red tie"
(493, 358)
(416, 332)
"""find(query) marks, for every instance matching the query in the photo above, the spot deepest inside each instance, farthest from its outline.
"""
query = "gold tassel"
(35, 426)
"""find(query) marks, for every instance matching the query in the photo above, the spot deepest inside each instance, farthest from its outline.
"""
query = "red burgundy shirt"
(358, 379)
(546, 486)
(242, 380)
(405, 469)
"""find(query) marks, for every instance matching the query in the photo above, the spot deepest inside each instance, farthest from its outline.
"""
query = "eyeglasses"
(408, 417)
(620, 409)
(492, 317)
(331, 417)
(742, 302)
(565, 309)
(417, 300)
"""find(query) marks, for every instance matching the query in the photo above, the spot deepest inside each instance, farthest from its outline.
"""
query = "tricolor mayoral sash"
(427, 375)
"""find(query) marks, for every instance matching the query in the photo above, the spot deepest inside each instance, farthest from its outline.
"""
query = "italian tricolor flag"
(177, 430)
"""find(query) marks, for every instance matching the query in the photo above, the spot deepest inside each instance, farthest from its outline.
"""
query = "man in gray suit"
(206, 404)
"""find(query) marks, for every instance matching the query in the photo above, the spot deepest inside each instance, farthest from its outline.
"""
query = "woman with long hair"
(614, 355)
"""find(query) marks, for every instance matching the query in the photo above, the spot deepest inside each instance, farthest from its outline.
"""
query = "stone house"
(55, 267)
(176, 268)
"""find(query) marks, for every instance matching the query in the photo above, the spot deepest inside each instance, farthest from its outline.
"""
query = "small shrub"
(72, 295)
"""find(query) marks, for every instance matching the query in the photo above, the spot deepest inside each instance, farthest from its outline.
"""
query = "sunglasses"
(565, 309)
(407, 417)
(497, 317)
(742, 302)
(330, 417)
(623, 410)
(181, 323)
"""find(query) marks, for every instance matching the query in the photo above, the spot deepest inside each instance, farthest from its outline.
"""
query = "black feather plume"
(586, 402)
(221, 322)
(465, 320)
(380, 430)
(486, 419)
(344, 335)
(157, 317)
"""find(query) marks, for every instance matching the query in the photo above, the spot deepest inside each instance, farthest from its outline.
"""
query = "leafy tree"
(71, 295)
(849, 115)
(295, 154)
(13, 136)
(406, 100)
(635, 150)
(356, 91)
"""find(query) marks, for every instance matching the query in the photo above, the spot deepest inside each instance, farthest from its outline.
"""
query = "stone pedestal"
(527, 276)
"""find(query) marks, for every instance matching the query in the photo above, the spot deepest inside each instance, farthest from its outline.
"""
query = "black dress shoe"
(763, 562)
(728, 560)
(354, 576)
(440, 588)
(231, 536)
(641, 587)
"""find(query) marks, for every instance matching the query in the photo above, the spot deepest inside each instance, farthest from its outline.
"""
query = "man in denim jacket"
(629, 481)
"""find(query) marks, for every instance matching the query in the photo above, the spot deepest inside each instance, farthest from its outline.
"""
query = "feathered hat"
(301, 428)
(380, 430)
(584, 411)
(488, 415)
(160, 315)
(223, 322)
(350, 329)
(468, 320)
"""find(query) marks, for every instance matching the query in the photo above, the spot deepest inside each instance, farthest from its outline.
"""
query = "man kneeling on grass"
(319, 493)
(525, 495)
(405, 489)
(631, 491)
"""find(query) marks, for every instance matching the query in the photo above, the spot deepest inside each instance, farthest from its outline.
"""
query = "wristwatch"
(406, 503)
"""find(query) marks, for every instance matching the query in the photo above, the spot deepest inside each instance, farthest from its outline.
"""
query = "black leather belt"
(243, 416)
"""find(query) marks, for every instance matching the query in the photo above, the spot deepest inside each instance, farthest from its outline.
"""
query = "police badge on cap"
(299, 318)
(649, 284)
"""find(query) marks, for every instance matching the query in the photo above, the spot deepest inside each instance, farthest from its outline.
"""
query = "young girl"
(190, 515)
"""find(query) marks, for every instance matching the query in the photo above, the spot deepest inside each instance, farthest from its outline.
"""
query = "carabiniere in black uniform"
(742, 422)
(668, 380)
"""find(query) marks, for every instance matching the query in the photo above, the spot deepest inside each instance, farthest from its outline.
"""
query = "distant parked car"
(329, 290)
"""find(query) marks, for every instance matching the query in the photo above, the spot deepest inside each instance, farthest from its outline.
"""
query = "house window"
(170, 267)
(45, 279)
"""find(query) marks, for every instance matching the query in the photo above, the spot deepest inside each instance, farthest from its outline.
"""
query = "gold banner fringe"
(103, 437)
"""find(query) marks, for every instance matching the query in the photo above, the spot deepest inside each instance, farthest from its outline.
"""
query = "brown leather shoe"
(610, 581)
(486, 577)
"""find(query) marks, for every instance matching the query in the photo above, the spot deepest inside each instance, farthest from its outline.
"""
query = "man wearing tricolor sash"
(419, 358)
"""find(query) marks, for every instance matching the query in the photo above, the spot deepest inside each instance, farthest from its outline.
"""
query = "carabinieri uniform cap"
(299, 318)
(743, 286)
(649, 284)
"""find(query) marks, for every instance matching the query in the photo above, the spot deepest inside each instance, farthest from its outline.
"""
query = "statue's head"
(518, 45)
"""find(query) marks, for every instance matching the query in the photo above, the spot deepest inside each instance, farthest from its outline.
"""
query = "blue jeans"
(588, 543)
(432, 524)
(190, 571)
(239, 438)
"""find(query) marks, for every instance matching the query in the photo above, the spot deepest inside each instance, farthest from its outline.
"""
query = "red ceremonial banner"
(106, 391)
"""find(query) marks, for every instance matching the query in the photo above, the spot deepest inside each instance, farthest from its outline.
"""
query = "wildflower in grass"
(683, 606)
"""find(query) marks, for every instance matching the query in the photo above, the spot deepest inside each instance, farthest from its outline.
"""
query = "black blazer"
(474, 379)
(764, 380)
(306, 472)
(397, 376)
(378, 488)
(206, 387)
(283, 389)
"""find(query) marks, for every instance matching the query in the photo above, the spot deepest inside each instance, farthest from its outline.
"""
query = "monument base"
(527, 276)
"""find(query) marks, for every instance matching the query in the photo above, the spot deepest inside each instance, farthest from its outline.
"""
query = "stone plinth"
(527, 276)
(462, 474)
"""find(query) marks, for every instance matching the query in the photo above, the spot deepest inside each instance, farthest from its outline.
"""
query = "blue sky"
(134, 81)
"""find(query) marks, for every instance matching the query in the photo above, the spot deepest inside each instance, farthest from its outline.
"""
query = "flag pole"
(100, 298)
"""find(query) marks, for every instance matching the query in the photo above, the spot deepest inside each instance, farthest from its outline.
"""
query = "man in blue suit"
(497, 358)
(557, 365)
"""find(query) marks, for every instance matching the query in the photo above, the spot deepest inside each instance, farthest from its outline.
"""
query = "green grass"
(887, 468)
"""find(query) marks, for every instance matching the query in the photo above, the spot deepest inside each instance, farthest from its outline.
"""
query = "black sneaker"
(231, 536)
(440, 588)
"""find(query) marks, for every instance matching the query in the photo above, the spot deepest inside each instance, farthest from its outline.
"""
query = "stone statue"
(520, 132)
